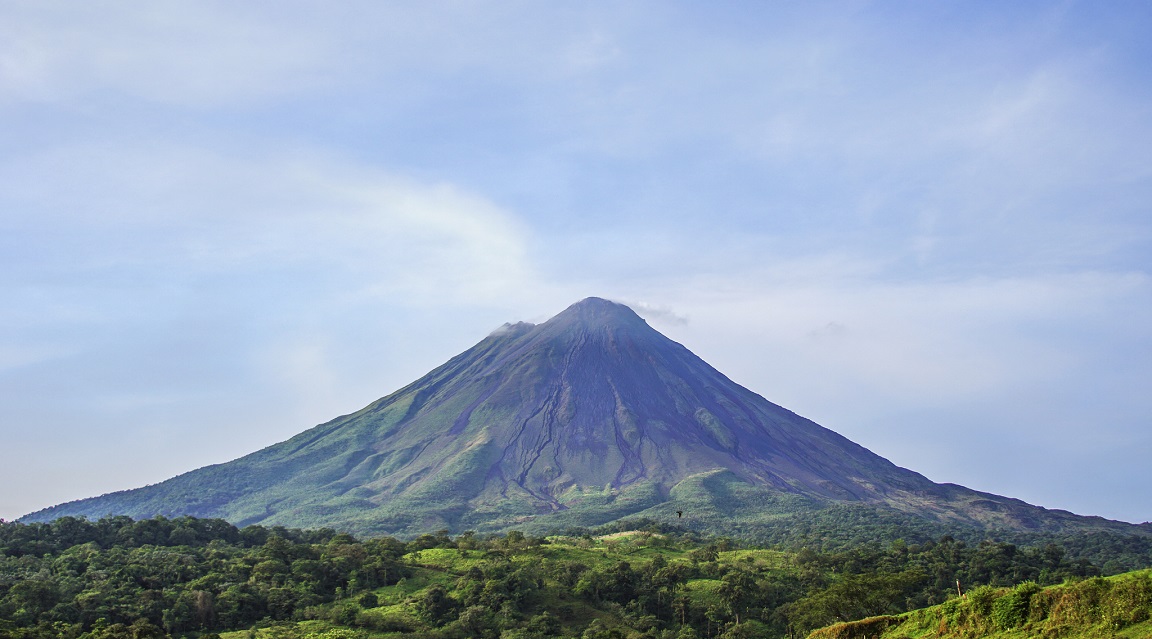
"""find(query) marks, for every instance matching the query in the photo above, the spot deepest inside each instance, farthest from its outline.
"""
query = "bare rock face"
(588, 417)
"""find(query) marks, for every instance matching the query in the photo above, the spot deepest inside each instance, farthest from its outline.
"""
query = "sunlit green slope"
(1119, 606)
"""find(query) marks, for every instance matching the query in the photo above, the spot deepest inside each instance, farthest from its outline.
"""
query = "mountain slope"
(583, 419)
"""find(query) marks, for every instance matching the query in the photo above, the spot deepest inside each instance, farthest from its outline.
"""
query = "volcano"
(587, 418)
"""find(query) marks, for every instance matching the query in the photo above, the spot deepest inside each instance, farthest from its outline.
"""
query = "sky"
(926, 226)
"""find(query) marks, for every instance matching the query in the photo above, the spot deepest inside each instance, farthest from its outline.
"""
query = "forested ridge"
(187, 577)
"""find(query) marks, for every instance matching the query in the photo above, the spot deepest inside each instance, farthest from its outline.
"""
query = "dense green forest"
(187, 577)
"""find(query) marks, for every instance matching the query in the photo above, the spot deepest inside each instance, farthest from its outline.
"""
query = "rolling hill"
(1119, 606)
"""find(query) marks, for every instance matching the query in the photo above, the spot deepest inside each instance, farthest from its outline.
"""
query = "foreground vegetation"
(1099, 607)
(118, 578)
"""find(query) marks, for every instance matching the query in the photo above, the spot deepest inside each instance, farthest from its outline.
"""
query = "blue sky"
(927, 226)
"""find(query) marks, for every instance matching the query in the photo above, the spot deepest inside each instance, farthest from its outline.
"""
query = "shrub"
(980, 601)
(1011, 610)
(336, 633)
(1127, 603)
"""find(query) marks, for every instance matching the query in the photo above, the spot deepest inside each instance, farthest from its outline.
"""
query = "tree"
(681, 606)
(544, 624)
(434, 605)
(737, 591)
(476, 621)
(597, 630)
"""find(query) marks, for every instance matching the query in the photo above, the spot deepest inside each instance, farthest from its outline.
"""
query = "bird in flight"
(679, 513)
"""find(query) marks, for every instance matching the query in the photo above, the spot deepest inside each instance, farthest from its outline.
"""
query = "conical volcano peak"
(587, 418)
(597, 312)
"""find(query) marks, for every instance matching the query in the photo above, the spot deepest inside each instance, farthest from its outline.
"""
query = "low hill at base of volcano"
(1119, 607)
(587, 418)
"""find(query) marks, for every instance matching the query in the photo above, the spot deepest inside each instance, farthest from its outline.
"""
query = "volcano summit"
(589, 417)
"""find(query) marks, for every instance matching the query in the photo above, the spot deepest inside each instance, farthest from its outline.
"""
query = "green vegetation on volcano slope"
(123, 579)
(1118, 606)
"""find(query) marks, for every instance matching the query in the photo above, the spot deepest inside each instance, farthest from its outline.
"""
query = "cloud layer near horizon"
(925, 227)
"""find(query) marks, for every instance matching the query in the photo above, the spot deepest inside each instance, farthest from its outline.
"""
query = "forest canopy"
(188, 577)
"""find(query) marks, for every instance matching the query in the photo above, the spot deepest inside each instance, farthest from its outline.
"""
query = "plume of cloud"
(657, 313)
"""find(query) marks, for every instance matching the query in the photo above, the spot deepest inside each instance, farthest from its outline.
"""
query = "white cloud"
(903, 344)
(205, 211)
(16, 355)
(433, 238)
(657, 312)
(196, 54)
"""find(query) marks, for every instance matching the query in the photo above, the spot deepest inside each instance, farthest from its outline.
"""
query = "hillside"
(588, 418)
(1118, 606)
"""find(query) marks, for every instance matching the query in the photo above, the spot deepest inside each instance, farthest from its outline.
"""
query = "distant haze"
(924, 226)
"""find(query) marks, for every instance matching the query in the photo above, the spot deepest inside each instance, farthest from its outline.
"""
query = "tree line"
(186, 577)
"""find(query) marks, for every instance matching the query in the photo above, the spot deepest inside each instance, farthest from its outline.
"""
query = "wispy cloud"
(204, 211)
(658, 313)
(206, 54)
